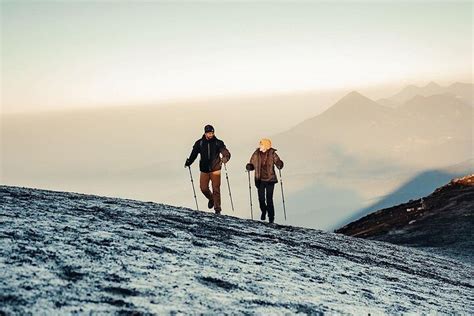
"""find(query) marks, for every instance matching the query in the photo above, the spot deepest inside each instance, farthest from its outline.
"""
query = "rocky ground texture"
(63, 253)
(442, 222)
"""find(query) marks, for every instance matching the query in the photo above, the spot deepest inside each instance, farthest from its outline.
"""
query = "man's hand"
(187, 163)
(249, 167)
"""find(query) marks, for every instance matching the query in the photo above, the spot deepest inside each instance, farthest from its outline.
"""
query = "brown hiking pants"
(215, 195)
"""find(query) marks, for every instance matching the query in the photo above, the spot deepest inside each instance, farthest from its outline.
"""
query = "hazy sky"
(69, 54)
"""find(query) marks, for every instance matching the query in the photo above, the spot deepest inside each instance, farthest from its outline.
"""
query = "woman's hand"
(279, 164)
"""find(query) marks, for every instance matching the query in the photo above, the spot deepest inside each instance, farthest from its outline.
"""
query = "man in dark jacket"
(210, 148)
(263, 161)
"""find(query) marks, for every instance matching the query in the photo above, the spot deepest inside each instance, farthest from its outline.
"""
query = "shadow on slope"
(420, 185)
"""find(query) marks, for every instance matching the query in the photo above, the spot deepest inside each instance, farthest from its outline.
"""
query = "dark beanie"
(208, 128)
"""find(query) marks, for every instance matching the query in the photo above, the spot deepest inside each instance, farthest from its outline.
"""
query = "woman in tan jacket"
(263, 161)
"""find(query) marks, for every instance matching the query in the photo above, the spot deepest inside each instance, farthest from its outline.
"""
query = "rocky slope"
(67, 253)
(442, 221)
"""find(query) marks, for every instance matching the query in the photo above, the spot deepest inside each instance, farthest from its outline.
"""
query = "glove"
(187, 163)
(280, 165)
(224, 159)
(249, 167)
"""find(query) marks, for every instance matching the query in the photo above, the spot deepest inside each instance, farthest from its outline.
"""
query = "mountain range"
(358, 151)
(437, 126)
(343, 153)
(459, 90)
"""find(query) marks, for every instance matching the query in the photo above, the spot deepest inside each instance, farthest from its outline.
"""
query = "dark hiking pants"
(265, 198)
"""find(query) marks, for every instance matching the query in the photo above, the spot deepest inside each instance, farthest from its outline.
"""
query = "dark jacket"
(210, 151)
(272, 161)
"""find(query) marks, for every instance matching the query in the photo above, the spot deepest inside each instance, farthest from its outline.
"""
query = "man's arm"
(193, 155)
(225, 152)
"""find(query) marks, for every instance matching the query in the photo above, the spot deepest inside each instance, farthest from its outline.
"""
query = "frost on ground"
(66, 252)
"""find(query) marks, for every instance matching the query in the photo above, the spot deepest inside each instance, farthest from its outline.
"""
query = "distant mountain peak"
(354, 95)
(354, 92)
(355, 104)
(432, 84)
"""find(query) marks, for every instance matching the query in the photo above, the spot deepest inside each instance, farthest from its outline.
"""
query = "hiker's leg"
(216, 189)
(270, 207)
(204, 185)
(261, 198)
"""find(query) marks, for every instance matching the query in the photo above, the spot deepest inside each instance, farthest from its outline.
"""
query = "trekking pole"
(192, 183)
(250, 192)
(282, 195)
(228, 185)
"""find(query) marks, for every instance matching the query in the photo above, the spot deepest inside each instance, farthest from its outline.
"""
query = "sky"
(59, 55)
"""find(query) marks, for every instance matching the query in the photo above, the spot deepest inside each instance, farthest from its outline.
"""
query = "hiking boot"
(210, 204)
(262, 217)
(218, 212)
(271, 220)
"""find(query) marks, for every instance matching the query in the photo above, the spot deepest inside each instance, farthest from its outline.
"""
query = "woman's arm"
(251, 165)
(277, 161)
